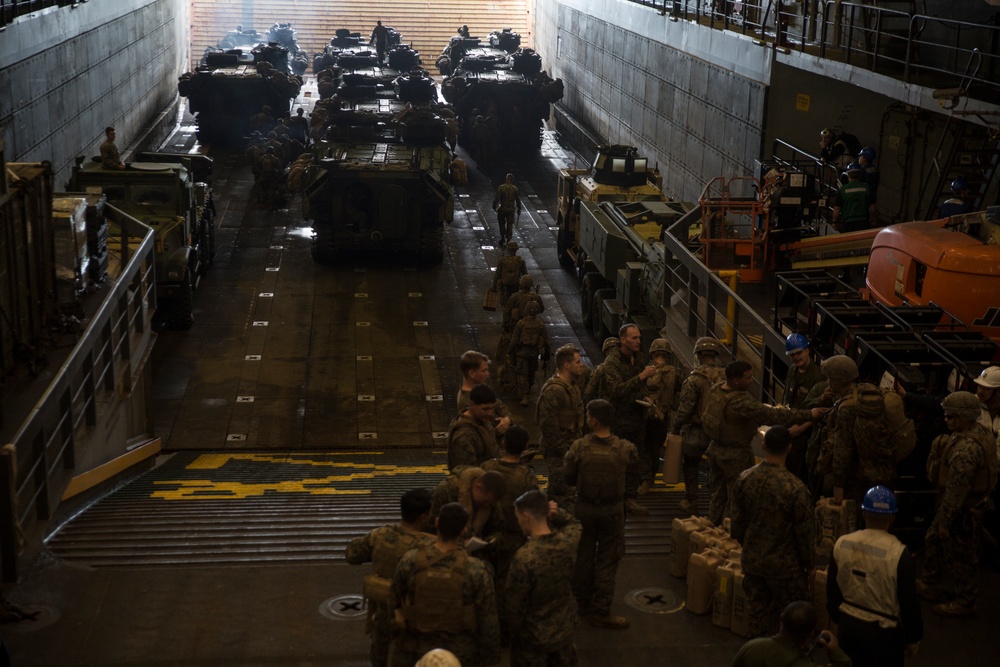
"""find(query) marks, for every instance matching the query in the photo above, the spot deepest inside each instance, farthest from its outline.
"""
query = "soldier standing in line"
(254, 152)
(110, 157)
(514, 310)
(963, 467)
(840, 372)
(443, 598)
(731, 417)
(383, 547)
(475, 367)
(472, 437)
(509, 272)
(773, 520)
(802, 377)
(595, 383)
(479, 492)
(262, 121)
(598, 464)
(528, 341)
(269, 178)
(380, 38)
(625, 375)
(539, 606)
(507, 204)
(661, 393)
(687, 424)
(298, 127)
(871, 590)
(559, 414)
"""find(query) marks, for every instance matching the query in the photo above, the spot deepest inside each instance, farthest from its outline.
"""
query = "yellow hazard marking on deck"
(217, 461)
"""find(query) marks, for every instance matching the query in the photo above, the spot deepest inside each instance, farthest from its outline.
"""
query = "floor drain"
(344, 608)
(654, 600)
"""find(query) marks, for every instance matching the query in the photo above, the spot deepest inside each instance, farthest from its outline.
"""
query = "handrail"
(37, 464)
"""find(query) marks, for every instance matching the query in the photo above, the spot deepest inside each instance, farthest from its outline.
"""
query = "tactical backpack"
(436, 603)
(531, 332)
(385, 557)
(985, 479)
(881, 430)
(509, 270)
(713, 414)
(713, 375)
(601, 475)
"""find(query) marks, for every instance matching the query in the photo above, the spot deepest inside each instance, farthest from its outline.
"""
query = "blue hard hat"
(959, 184)
(867, 152)
(879, 500)
(854, 166)
(796, 342)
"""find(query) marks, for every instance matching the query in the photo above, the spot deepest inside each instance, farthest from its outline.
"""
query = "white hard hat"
(438, 657)
(989, 377)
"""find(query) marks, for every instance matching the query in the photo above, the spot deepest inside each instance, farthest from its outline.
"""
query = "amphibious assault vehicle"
(246, 41)
(346, 42)
(498, 78)
(225, 92)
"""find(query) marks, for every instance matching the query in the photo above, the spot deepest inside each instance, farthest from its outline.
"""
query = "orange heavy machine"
(953, 263)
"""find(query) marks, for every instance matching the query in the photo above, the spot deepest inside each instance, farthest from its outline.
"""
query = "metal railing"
(11, 9)
(703, 304)
(910, 47)
(37, 464)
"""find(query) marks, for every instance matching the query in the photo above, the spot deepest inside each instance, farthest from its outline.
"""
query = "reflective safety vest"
(867, 562)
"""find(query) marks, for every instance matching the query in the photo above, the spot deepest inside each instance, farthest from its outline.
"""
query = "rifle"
(546, 355)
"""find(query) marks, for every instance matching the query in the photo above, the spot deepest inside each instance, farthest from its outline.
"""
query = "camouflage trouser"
(655, 435)
(523, 655)
(636, 434)
(694, 448)
(602, 546)
(724, 467)
(381, 635)
(767, 597)
(505, 292)
(557, 490)
(506, 221)
(958, 554)
(524, 373)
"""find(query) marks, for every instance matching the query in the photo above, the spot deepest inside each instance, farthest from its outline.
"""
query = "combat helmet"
(706, 344)
(963, 404)
(990, 377)
(512, 246)
(879, 500)
(526, 281)
(839, 369)
(532, 308)
(659, 346)
(609, 342)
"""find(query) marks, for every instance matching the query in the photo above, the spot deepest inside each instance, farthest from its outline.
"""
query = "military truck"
(390, 193)
(225, 92)
(163, 195)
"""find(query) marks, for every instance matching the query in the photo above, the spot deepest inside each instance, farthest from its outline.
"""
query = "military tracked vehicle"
(284, 35)
(246, 41)
(162, 194)
(498, 78)
(346, 43)
(228, 90)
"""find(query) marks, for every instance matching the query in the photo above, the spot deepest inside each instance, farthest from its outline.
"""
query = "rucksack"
(510, 270)
(714, 411)
(881, 429)
(601, 475)
(436, 605)
(531, 332)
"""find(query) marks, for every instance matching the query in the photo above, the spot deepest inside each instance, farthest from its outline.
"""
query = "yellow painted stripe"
(104, 472)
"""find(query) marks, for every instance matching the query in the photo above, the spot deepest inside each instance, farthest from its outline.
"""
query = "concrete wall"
(69, 72)
(700, 109)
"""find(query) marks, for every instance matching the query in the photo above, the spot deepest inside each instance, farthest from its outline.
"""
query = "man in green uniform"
(518, 302)
(963, 466)
(595, 383)
(509, 272)
(507, 204)
(472, 438)
(731, 417)
(479, 492)
(625, 375)
(383, 547)
(443, 598)
(528, 340)
(773, 520)
(597, 464)
(687, 424)
(802, 376)
(559, 413)
(661, 394)
(110, 158)
(539, 606)
(475, 367)
(793, 645)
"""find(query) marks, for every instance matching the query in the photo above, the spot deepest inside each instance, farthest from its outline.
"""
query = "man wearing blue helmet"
(803, 376)
(958, 204)
(851, 203)
(872, 591)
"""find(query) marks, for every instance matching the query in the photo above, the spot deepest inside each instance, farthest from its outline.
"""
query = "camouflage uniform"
(527, 341)
(539, 607)
(661, 391)
(110, 157)
(508, 275)
(687, 422)
(462, 402)
(602, 543)
(516, 304)
(470, 442)
(964, 465)
(621, 378)
(852, 471)
(484, 522)
(269, 179)
(596, 384)
(384, 547)
(773, 520)
(797, 388)
(742, 415)
(507, 204)
(560, 414)
(478, 645)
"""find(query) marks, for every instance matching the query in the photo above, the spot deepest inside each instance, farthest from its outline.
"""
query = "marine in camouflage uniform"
(539, 607)
(963, 466)
(383, 547)
(507, 277)
(802, 376)
(528, 340)
(518, 301)
(435, 615)
(687, 422)
(485, 516)
(599, 464)
(742, 415)
(559, 413)
(773, 520)
(507, 204)
(661, 392)
(472, 437)
(595, 383)
(625, 375)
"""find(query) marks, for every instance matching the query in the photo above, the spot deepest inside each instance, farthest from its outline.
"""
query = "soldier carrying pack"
(436, 604)
(602, 471)
(713, 413)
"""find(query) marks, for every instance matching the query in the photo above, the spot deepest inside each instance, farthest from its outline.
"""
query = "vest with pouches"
(601, 475)
(436, 603)
(985, 479)
(385, 557)
(722, 431)
(531, 332)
